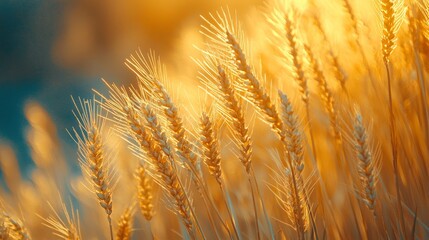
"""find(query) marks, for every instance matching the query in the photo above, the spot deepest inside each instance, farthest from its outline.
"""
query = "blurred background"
(52, 49)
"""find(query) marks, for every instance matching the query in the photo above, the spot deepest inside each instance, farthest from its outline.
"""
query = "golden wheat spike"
(367, 165)
(161, 163)
(217, 83)
(152, 80)
(295, 153)
(125, 225)
(92, 154)
(144, 191)
(349, 10)
(226, 37)
(325, 92)
(210, 147)
(13, 228)
(293, 133)
(4, 230)
(393, 13)
(283, 22)
(158, 133)
(297, 68)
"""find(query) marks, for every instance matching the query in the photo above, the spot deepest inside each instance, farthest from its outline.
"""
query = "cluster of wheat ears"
(327, 138)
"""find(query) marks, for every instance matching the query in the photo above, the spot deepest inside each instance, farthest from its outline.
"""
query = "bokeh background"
(53, 49)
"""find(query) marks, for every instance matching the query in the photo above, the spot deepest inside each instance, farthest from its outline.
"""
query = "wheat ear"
(297, 209)
(4, 230)
(125, 225)
(366, 166)
(292, 133)
(13, 229)
(210, 147)
(257, 92)
(217, 82)
(222, 35)
(212, 159)
(130, 122)
(354, 22)
(144, 191)
(393, 13)
(163, 165)
(348, 9)
(151, 75)
(325, 92)
(158, 133)
(296, 67)
(91, 153)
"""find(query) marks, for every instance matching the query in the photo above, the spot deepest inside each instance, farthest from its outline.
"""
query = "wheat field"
(303, 120)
